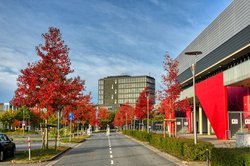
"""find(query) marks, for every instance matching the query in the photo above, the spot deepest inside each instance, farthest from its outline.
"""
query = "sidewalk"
(212, 139)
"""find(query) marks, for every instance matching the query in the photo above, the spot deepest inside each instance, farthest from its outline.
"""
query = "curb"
(167, 156)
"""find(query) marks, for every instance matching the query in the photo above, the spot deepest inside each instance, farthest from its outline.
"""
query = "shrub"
(196, 152)
(179, 147)
(230, 157)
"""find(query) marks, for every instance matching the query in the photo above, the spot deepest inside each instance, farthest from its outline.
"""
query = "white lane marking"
(110, 151)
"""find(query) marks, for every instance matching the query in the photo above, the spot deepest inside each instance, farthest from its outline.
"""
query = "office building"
(113, 91)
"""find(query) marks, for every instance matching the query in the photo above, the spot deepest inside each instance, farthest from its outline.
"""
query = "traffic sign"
(71, 116)
(23, 123)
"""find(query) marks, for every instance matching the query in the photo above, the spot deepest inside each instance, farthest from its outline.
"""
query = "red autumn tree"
(119, 119)
(171, 90)
(46, 84)
(103, 117)
(141, 105)
(124, 115)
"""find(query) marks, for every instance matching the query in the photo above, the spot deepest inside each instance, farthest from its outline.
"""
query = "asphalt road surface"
(116, 149)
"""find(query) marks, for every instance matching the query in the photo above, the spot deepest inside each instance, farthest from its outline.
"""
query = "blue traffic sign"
(71, 116)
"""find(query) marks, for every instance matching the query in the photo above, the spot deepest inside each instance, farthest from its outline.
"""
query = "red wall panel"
(213, 97)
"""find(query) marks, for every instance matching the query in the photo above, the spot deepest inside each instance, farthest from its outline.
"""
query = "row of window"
(135, 95)
(130, 80)
(131, 101)
(137, 85)
(133, 90)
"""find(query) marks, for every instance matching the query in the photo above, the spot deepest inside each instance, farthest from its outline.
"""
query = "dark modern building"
(114, 91)
(222, 73)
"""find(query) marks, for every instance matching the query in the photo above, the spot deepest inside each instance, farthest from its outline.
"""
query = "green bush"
(230, 157)
(196, 152)
(179, 147)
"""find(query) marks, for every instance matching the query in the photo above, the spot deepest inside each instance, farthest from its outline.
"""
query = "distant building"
(114, 91)
(6, 106)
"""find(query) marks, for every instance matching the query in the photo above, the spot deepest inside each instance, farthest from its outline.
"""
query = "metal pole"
(194, 53)
(58, 128)
(194, 102)
(23, 123)
(29, 146)
(70, 132)
(126, 121)
(164, 129)
(147, 114)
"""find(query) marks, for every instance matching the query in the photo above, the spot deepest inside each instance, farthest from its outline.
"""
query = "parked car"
(7, 147)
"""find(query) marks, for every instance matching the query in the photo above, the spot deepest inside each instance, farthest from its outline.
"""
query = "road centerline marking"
(110, 151)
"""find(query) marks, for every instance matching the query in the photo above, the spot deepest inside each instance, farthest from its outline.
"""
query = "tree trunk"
(56, 136)
(46, 134)
(43, 137)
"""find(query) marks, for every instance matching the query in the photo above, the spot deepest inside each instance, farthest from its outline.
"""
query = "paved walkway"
(213, 139)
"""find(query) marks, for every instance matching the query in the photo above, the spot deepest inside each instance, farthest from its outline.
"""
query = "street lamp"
(194, 53)
(147, 113)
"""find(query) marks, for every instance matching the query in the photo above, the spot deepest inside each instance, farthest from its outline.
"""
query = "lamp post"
(147, 113)
(194, 53)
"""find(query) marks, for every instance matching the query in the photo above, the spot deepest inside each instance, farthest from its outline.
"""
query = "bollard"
(207, 157)
(29, 146)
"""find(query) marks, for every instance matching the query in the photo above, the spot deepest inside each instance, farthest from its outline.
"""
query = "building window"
(112, 97)
(112, 87)
(115, 91)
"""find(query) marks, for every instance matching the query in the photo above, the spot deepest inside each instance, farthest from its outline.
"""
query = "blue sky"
(105, 37)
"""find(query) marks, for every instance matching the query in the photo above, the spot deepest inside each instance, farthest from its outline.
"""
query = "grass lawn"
(20, 132)
(38, 154)
(77, 139)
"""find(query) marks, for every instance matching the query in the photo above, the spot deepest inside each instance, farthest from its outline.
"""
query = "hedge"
(180, 147)
(230, 157)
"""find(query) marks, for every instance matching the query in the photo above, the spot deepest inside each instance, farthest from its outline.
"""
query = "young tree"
(119, 119)
(46, 84)
(124, 115)
(171, 91)
(7, 118)
(141, 105)
(31, 117)
(103, 116)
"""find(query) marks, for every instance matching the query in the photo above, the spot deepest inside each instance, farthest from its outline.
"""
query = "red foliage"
(119, 119)
(169, 96)
(125, 112)
(103, 114)
(45, 84)
(141, 105)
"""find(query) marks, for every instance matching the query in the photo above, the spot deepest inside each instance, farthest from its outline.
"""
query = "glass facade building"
(114, 91)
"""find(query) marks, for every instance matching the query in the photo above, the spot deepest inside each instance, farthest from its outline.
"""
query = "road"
(115, 149)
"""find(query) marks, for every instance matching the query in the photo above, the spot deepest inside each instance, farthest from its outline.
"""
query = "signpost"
(71, 117)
